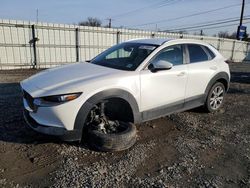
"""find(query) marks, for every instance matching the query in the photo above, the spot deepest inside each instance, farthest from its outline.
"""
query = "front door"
(165, 88)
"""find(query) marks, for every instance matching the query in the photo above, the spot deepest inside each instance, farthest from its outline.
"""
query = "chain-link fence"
(38, 45)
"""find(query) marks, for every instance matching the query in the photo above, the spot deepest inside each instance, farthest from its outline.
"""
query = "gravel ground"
(189, 149)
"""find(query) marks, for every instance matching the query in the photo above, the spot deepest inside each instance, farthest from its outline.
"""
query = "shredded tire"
(115, 141)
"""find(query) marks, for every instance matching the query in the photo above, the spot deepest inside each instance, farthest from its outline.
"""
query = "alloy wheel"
(216, 97)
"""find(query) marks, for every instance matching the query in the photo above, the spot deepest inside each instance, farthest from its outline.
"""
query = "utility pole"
(241, 19)
(110, 22)
(201, 33)
(37, 15)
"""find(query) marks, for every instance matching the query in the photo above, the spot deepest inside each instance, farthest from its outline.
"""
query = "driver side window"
(172, 54)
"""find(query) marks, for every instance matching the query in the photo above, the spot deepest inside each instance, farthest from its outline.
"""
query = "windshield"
(124, 56)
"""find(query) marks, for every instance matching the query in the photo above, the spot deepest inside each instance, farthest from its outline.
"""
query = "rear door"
(201, 68)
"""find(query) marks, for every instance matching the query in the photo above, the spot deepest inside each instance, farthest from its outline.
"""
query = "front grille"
(29, 99)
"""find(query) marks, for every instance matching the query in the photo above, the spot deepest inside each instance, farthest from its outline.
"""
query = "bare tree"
(233, 35)
(223, 34)
(94, 22)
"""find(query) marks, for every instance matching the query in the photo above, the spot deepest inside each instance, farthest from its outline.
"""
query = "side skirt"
(179, 106)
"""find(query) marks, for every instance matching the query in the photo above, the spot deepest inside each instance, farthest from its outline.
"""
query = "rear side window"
(196, 53)
(210, 52)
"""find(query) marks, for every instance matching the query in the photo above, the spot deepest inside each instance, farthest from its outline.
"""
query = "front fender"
(103, 95)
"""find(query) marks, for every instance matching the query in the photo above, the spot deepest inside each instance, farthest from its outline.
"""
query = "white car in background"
(135, 81)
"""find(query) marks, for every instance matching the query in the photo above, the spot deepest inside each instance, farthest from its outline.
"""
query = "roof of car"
(154, 41)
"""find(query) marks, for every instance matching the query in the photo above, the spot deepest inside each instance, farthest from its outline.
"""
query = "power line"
(206, 22)
(187, 16)
(136, 10)
(207, 28)
(168, 3)
(205, 25)
(155, 5)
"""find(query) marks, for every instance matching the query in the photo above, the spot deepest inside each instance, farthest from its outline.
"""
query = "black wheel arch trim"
(218, 76)
(103, 95)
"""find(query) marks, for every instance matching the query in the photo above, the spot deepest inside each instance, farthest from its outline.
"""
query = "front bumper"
(62, 133)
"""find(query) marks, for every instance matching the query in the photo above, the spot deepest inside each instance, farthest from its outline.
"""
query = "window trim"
(183, 55)
(203, 48)
(206, 48)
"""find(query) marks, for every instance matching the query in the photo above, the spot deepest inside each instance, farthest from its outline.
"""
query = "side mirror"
(160, 65)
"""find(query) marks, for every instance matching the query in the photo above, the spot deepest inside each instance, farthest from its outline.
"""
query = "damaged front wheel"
(113, 141)
(109, 135)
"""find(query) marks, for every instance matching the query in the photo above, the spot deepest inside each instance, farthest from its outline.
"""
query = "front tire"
(115, 141)
(215, 97)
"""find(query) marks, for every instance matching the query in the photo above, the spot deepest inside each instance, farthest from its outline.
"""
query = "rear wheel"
(215, 97)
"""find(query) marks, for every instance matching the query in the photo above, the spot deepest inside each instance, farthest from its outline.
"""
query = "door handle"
(213, 68)
(181, 74)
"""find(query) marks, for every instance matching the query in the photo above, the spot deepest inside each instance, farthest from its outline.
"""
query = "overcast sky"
(128, 13)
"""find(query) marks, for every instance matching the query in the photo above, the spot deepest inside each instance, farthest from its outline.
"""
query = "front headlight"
(55, 99)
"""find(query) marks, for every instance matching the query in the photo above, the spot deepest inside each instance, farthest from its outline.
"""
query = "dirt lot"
(190, 149)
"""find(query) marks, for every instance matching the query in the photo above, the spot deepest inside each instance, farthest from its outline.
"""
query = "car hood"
(65, 77)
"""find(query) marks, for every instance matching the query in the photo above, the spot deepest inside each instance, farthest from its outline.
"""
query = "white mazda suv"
(138, 80)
